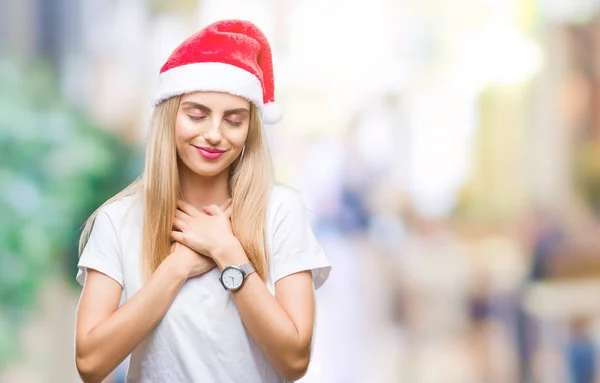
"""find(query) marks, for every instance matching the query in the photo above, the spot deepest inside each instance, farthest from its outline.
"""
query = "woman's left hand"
(205, 231)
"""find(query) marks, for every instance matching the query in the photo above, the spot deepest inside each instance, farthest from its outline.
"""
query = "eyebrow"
(207, 110)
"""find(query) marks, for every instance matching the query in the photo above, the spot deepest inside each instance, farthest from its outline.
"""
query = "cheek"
(237, 137)
(183, 136)
(184, 131)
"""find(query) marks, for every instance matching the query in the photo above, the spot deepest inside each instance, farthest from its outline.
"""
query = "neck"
(203, 191)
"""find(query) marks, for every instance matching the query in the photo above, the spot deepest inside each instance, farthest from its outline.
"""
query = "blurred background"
(449, 152)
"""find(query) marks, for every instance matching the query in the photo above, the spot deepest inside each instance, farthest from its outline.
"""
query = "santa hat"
(231, 56)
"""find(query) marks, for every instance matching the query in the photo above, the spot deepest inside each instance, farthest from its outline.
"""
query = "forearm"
(268, 322)
(104, 347)
(270, 326)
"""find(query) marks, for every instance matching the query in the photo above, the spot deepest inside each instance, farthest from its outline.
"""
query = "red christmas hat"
(231, 56)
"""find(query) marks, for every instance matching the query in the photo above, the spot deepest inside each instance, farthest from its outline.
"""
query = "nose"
(213, 134)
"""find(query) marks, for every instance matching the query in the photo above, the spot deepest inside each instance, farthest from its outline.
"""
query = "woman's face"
(210, 131)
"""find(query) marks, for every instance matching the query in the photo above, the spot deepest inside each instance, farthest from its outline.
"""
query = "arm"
(105, 335)
(282, 325)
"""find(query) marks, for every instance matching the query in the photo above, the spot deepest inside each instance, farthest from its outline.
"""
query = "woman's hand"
(205, 231)
(190, 262)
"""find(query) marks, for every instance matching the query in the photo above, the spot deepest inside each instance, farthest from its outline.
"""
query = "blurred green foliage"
(56, 167)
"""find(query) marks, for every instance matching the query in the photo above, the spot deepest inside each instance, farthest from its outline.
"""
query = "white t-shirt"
(202, 338)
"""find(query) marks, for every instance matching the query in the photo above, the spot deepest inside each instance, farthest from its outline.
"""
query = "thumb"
(212, 210)
(178, 237)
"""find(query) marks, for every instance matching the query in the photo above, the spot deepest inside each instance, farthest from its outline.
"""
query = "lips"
(209, 153)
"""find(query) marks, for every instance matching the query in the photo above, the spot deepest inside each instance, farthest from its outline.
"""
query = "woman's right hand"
(190, 262)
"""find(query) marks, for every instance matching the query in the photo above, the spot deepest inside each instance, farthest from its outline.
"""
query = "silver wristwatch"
(233, 277)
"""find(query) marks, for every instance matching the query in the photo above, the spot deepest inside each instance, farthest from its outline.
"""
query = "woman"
(215, 265)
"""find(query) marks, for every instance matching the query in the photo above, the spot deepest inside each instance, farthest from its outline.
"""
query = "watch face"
(232, 278)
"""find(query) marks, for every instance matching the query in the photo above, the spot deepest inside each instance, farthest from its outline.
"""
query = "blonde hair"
(251, 177)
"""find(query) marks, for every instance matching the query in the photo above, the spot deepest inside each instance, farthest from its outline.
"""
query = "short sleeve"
(101, 252)
(295, 247)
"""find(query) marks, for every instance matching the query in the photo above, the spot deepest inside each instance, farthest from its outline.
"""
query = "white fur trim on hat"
(272, 113)
(209, 77)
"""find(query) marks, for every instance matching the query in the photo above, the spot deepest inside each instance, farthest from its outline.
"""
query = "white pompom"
(272, 113)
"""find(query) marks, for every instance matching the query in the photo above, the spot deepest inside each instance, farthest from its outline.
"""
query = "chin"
(208, 171)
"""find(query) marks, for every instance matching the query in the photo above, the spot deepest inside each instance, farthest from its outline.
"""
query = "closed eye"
(196, 118)
(234, 123)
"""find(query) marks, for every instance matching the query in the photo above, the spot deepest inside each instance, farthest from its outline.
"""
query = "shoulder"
(284, 200)
(124, 210)
(287, 210)
(293, 244)
(282, 194)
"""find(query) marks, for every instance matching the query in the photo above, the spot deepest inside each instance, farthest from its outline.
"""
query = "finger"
(226, 205)
(178, 237)
(181, 215)
(186, 208)
(212, 210)
(228, 211)
(179, 224)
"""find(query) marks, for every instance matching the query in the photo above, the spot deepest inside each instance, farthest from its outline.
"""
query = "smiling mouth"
(209, 153)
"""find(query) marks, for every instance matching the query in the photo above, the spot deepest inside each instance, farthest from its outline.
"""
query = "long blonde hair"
(250, 181)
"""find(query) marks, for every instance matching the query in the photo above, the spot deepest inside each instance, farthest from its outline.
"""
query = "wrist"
(230, 253)
(175, 269)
